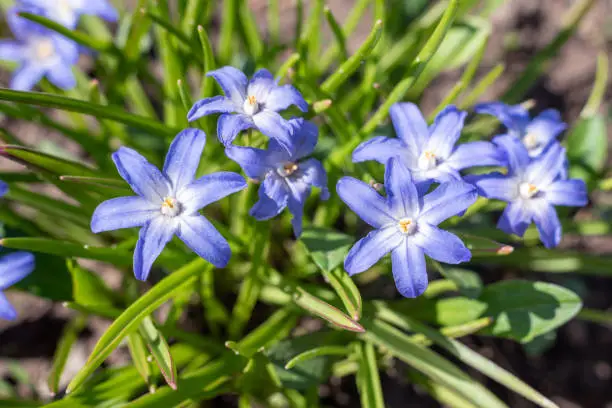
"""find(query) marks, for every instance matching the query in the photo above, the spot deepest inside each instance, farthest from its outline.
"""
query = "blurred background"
(573, 367)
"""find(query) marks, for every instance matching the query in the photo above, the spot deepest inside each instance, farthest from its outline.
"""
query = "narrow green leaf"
(596, 316)
(250, 30)
(316, 352)
(484, 84)
(481, 246)
(193, 15)
(174, 31)
(119, 187)
(337, 32)
(327, 247)
(38, 160)
(276, 327)
(599, 87)
(139, 27)
(88, 288)
(134, 314)
(138, 352)
(69, 250)
(62, 351)
(587, 148)
(354, 62)
(226, 36)
(274, 22)
(326, 311)
(368, 380)
(287, 65)
(157, 345)
(98, 111)
(209, 63)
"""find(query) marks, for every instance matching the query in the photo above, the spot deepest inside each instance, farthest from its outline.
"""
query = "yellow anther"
(290, 168)
(406, 226)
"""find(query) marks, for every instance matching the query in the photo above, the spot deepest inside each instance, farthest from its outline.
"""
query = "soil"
(575, 372)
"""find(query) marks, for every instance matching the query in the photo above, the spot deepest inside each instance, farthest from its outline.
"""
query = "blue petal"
(515, 153)
(229, 125)
(4, 188)
(62, 77)
(410, 126)
(143, 177)
(152, 239)
(445, 131)
(275, 187)
(409, 269)
(545, 128)
(515, 219)
(183, 157)
(11, 51)
(26, 77)
(67, 49)
(209, 189)
(380, 149)
(487, 153)
(22, 28)
(314, 174)
(547, 222)
(262, 74)
(204, 239)
(208, 106)
(14, 267)
(281, 97)
(274, 126)
(365, 202)
(233, 82)
(401, 191)
(495, 185)
(305, 135)
(101, 8)
(254, 162)
(266, 208)
(296, 208)
(441, 245)
(260, 87)
(368, 250)
(545, 169)
(515, 117)
(447, 200)
(123, 212)
(571, 193)
(7, 311)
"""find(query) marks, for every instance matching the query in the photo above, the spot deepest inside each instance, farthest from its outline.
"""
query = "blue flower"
(249, 104)
(67, 12)
(406, 225)
(286, 178)
(428, 152)
(13, 268)
(39, 52)
(536, 134)
(168, 203)
(532, 187)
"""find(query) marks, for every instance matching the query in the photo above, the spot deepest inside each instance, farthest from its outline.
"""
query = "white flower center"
(171, 207)
(44, 49)
(250, 106)
(427, 160)
(528, 190)
(287, 169)
(407, 226)
(64, 10)
(530, 141)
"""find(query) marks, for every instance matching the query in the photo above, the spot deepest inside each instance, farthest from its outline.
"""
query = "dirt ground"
(575, 372)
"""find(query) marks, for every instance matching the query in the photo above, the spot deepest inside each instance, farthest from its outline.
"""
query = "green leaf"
(88, 288)
(130, 319)
(368, 379)
(468, 282)
(326, 311)
(481, 246)
(587, 148)
(301, 367)
(523, 310)
(429, 363)
(327, 247)
(62, 351)
(138, 352)
(69, 250)
(37, 160)
(275, 328)
(99, 111)
(157, 345)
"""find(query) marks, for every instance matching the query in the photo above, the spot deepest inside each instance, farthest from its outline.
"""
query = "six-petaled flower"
(536, 134)
(429, 152)
(67, 12)
(406, 225)
(168, 203)
(249, 104)
(13, 268)
(286, 177)
(532, 187)
(39, 52)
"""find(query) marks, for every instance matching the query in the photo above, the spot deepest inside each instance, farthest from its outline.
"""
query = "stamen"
(171, 207)
(528, 190)
(290, 168)
(530, 141)
(44, 49)
(407, 226)
(427, 160)
(251, 106)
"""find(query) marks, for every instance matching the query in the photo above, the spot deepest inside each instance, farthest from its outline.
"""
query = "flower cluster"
(405, 220)
(40, 52)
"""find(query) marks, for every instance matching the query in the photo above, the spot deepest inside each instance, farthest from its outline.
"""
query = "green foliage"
(305, 318)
